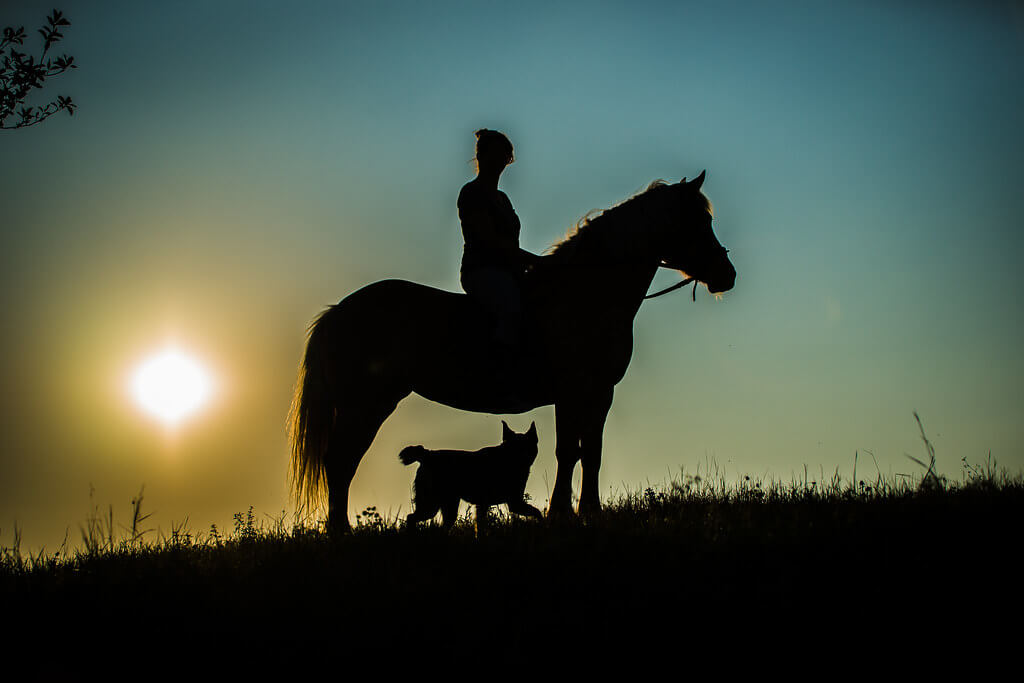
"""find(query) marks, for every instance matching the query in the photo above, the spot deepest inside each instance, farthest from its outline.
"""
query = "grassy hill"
(696, 562)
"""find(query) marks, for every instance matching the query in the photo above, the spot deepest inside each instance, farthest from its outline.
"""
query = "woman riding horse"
(392, 338)
(492, 262)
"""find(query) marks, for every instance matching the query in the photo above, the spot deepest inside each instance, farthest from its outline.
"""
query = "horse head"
(688, 242)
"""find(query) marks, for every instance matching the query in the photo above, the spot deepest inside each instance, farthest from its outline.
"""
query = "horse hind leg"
(353, 432)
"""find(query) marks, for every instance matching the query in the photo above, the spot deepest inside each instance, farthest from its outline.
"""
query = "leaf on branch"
(66, 103)
(20, 73)
(14, 36)
(57, 19)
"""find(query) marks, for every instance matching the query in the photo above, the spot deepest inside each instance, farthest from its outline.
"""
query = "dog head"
(523, 446)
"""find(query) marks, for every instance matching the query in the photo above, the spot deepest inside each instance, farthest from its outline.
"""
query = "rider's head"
(493, 151)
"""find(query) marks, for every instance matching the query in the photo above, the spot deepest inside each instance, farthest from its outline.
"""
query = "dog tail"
(411, 454)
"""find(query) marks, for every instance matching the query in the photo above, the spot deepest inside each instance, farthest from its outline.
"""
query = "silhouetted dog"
(489, 476)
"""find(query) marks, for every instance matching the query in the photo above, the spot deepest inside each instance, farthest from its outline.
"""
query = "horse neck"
(610, 280)
(626, 285)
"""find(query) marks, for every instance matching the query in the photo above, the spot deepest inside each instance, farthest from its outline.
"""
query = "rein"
(672, 288)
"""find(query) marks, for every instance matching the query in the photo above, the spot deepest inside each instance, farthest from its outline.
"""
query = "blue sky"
(236, 166)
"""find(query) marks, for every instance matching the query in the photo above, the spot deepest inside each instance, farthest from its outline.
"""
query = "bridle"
(665, 264)
(672, 288)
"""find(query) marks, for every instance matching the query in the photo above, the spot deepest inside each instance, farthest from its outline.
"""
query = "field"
(700, 563)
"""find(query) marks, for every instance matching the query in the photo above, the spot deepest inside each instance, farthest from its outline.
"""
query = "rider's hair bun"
(493, 144)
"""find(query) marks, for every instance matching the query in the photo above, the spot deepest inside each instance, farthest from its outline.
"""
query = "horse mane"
(591, 230)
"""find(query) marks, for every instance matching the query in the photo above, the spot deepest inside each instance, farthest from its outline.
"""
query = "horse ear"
(506, 431)
(698, 181)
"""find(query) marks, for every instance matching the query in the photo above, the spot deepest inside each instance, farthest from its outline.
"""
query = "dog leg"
(449, 512)
(523, 508)
(481, 519)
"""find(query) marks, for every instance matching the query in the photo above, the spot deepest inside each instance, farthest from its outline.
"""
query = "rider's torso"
(490, 227)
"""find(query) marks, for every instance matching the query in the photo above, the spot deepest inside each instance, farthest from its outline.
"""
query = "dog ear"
(506, 431)
(532, 432)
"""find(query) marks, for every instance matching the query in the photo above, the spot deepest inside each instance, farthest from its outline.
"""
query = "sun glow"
(171, 386)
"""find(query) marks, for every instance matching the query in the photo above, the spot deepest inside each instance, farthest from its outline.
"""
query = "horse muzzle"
(722, 282)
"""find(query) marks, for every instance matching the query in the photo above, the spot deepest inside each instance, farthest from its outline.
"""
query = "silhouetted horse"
(391, 338)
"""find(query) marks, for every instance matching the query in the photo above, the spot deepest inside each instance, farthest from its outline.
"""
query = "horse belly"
(480, 383)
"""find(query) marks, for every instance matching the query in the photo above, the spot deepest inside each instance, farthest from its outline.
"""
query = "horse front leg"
(591, 441)
(567, 454)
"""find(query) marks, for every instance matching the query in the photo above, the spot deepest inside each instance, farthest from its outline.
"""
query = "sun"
(170, 385)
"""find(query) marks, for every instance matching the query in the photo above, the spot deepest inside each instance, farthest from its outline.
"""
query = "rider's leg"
(499, 292)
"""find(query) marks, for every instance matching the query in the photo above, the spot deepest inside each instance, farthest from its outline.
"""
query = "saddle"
(517, 371)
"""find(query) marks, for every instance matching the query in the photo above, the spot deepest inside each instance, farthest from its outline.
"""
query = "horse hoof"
(559, 512)
(339, 528)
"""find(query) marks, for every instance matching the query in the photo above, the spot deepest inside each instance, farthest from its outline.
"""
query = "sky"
(235, 167)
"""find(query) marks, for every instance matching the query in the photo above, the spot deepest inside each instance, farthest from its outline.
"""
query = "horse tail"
(411, 454)
(311, 420)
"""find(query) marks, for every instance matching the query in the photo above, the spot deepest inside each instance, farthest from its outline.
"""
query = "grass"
(675, 562)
